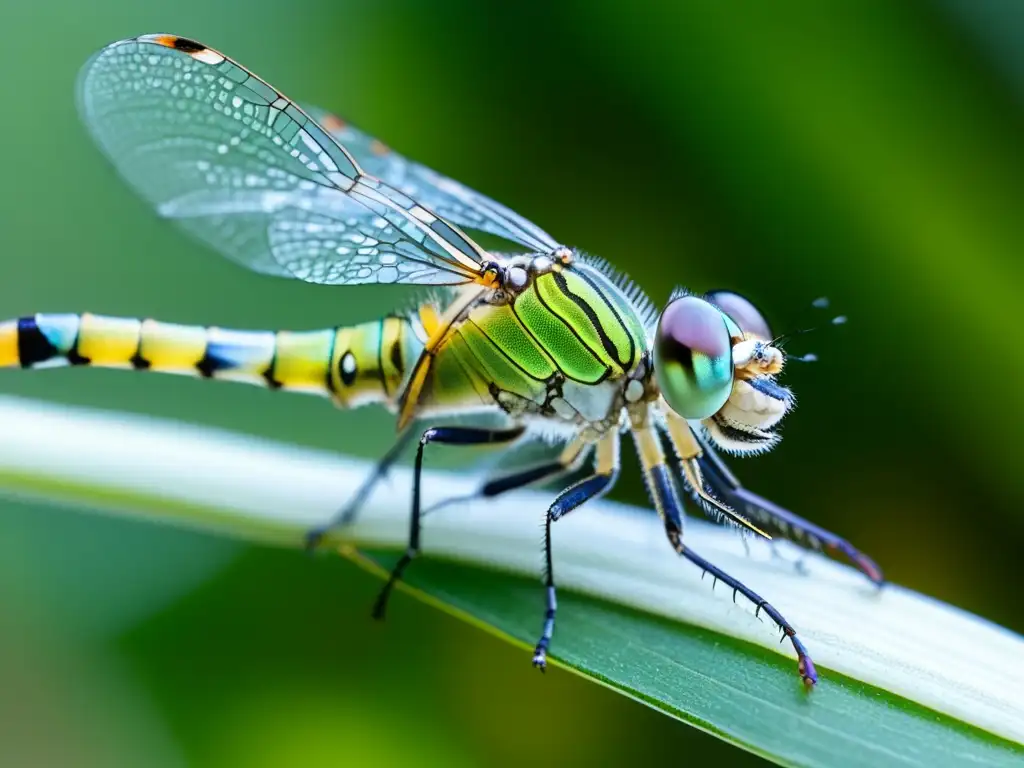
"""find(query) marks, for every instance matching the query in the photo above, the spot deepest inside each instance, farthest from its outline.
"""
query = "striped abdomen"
(354, 365)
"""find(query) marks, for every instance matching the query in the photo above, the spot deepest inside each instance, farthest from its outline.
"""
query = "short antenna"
(821, 302)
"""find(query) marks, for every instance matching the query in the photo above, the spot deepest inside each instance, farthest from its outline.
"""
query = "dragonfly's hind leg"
(446, 436)
(347, 514)
(776, 520)
(575, 495)
(666, 500)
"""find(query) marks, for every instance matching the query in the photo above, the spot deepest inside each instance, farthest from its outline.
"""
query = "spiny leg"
(807, 671)
(446, 436)
(777, 520)
(666, 501)
(348, 513)
(604, 476)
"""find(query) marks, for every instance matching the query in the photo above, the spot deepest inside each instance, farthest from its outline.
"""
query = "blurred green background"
(866, 151)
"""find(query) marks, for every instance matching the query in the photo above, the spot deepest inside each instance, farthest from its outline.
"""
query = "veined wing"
(448, 198)
(244, 169)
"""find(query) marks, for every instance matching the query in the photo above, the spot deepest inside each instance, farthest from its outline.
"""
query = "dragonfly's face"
(714, 362)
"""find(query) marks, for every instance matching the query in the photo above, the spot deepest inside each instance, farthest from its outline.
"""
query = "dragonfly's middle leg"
(577, 494)
(446, 436)
(568, 461)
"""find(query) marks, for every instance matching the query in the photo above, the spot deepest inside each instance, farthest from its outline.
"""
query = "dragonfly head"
(714, 362)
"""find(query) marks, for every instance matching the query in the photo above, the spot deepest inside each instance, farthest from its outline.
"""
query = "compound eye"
(742, 312)
(693, 358)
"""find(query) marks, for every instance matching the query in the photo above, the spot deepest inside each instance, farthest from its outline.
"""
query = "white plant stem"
(911, 645)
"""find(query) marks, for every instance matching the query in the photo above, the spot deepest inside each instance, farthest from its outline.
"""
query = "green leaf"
(743, 694)
(905, 680)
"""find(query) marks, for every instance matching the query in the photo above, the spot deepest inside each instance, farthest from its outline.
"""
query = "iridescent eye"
(693, 358)
(742, 312)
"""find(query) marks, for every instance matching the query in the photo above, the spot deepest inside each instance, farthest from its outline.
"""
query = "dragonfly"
(540, 339)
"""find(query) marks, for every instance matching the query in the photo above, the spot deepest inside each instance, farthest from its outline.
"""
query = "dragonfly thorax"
(558, 341)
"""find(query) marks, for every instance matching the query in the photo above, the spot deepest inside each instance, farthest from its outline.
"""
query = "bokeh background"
(870, 152)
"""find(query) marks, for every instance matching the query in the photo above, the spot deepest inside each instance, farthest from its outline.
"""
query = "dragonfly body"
(547, 339)
(560, 342)
(564, 347)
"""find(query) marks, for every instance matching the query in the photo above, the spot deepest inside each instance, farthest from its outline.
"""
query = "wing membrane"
(241, 167)
(448, 198)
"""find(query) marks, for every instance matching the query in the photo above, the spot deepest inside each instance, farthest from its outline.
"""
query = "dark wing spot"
(183, 44)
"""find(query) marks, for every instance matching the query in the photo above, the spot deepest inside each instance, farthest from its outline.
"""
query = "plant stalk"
(261, 491)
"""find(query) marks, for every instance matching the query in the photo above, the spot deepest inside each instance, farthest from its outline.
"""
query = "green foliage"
(929, 654)
(740, 693)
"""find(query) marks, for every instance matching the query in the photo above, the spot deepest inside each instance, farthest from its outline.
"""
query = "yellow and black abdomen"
(354, 365)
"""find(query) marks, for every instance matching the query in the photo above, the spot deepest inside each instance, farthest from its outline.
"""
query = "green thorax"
(583, 322)
(572, 329)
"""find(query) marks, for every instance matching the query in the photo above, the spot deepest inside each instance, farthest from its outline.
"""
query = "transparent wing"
(244, 169)
(455, 202)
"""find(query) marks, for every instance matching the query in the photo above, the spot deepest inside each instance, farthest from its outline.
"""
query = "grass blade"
(643, 622)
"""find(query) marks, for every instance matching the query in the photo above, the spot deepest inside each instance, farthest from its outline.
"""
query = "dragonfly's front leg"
(666, 500)
(446, 436)
(778, 521)
(575, 495)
